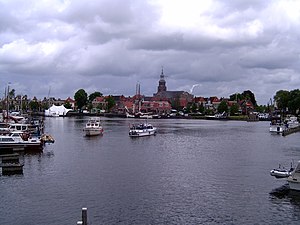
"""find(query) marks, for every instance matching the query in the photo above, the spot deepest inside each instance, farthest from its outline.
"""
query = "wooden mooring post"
(83, 217)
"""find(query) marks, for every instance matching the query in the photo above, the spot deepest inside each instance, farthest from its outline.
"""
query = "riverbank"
(116, 115)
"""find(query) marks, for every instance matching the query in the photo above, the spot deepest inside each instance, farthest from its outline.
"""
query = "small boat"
(281, 172)
(47, 138)
(93, 127)
(141, 130)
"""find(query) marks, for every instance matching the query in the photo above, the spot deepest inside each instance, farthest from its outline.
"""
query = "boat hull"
(142, 133)
(278, 173)
(276, 129)
(294, 184)
(93, 132)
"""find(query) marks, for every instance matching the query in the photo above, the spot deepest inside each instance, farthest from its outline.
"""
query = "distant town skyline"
(210, 48)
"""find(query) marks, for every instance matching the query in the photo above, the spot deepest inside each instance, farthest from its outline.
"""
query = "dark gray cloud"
(213, 48)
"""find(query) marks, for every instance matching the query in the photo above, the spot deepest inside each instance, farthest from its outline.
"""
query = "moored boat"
(47, 138)
(277, 127)
(281, 172)
(292, 122)
(93, 127)
(141, 130)
(18, 140)
(294, 178)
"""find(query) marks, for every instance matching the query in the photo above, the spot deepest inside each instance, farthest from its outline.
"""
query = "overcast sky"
(212, 48)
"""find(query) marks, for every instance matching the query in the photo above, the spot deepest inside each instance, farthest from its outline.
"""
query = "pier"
(10, 164)
(290, 131)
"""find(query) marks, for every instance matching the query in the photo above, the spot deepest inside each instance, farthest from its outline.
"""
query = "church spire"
(162, 83)
(162, 76)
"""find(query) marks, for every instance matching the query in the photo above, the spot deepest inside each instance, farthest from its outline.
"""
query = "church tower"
(162, 83)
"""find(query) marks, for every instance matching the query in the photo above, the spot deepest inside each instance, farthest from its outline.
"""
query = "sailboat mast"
(7, 103)
(21, 111)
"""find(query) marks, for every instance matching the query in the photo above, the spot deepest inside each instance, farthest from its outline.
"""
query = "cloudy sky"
(211, 47)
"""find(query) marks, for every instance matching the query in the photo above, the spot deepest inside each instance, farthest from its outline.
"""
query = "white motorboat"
(292, 122)
(20, 140)
(141, 130)
(93, 127)
(277, 127)
(294, 178)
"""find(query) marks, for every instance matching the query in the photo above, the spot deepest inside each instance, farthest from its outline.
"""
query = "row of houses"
(139, 103)
(136, 103)
(162, 102)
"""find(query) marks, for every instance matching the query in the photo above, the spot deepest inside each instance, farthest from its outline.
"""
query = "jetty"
(290, 130)
(10, 164)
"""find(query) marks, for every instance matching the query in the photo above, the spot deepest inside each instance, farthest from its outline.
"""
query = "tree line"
(284, 101)
(288, 101)
(84, 100)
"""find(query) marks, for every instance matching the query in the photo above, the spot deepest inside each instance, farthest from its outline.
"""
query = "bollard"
(84, 216)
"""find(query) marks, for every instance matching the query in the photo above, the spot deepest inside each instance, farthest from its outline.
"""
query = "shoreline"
(115, 115)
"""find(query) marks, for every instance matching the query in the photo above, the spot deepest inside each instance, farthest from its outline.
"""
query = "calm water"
(191, 172)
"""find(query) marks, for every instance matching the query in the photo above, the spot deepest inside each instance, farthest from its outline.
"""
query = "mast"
(48, 99)
(21, 111)
(7, 103)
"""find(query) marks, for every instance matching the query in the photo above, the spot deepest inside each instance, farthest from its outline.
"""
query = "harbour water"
(191, 172)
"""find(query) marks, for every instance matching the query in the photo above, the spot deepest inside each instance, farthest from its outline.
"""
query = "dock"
(10, 164)
(290, 131)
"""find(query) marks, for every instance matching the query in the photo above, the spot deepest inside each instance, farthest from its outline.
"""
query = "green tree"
(194, 108)
(201, 108)
(223, 107)
(94, 95)
(80, 98)
(34, 106)
(175, 103)
(282, 98)
(294, 101)
(249, 96)
(234, 109)
(236, 97)
(68, 105)
(246, 95)
(261, 108)
(110, 102)
(11, 94)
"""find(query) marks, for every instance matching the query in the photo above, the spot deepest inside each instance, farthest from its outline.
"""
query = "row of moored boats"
(22, 136)
(279, 126)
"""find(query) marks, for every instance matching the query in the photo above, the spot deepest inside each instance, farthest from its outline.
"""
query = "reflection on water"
(286, 200)
(191, 172)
